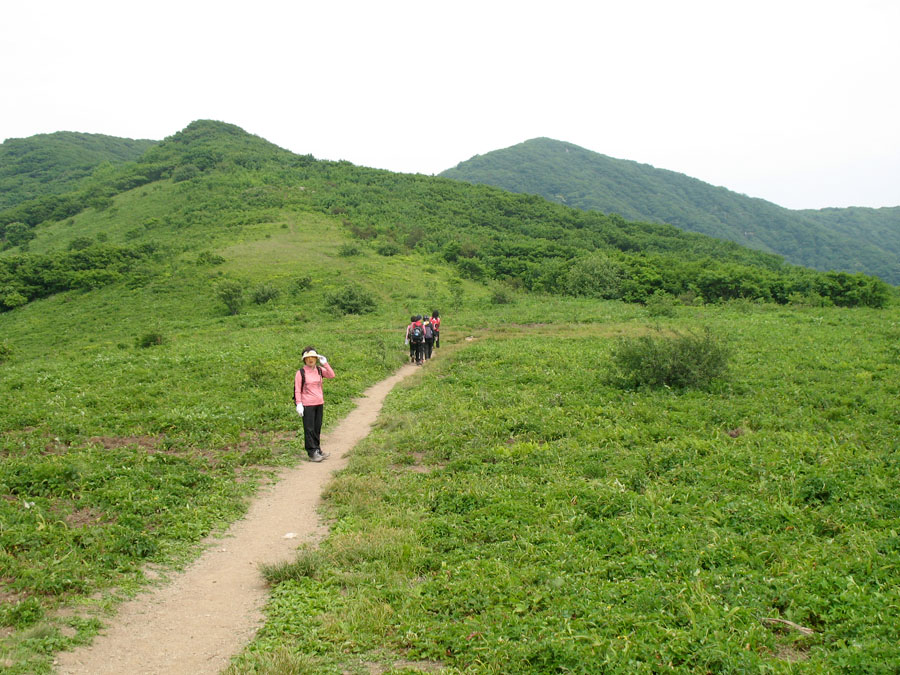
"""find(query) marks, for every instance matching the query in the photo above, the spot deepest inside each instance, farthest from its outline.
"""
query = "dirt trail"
(196, 622)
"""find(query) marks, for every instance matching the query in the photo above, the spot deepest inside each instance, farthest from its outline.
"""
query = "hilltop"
(852, 239)
(54, 163)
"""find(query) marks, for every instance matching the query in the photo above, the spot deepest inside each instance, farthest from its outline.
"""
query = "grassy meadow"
(516, 511)
(519, 507)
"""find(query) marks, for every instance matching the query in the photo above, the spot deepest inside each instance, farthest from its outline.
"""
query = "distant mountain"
(54, 163)
(852, 239)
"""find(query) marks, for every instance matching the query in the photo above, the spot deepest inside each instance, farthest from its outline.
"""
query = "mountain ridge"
(851, 239)
(56, 162)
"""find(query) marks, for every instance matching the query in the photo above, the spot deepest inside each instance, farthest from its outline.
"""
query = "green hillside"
(151, 322)
(202, 186)
(54, 163)
(855, 240)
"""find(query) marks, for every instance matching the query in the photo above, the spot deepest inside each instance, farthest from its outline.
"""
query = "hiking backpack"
(429, 332)
(416, 333)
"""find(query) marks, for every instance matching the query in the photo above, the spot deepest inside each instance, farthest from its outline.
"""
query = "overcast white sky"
(793, 101)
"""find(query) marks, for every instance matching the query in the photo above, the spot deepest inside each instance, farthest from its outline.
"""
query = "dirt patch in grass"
(148, 443)
(83, 517)
(791, 653)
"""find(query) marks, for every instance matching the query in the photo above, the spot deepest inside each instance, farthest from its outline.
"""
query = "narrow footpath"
(198, 620)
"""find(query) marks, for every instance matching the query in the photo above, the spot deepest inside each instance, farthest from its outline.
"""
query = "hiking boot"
(322, 455)
(316, 457)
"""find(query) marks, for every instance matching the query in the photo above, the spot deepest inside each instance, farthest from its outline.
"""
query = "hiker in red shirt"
(310, 399)
(436, 327)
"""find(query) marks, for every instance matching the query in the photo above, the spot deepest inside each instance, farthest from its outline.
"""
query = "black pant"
(429, 345)
(437, 339)
(417, 351)
(312, 427)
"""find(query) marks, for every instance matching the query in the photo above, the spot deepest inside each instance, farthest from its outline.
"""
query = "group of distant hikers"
(423, 334)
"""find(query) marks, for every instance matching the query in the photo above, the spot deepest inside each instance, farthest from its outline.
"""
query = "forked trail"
(196, 622)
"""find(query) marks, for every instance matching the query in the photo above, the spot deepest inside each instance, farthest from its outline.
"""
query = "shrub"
(232, 294)
(677, 361)
(387, 248)
(348, 250)
(501, 296)
(185, 172)
(661, 304)
(80, 243)
(264, 293)
(595, 276)
(301, 283)
(12, 300)
(151, 339)
(351, 300)
(207, 258)
(6, 351)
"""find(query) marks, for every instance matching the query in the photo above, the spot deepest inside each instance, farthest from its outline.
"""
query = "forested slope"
(857, 239)
(54, 163)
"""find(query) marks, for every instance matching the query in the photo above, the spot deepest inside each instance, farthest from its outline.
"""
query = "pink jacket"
(312, 393)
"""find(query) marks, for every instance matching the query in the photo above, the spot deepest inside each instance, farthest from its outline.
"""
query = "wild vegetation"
(54, 163)
(851, 239)
(529, 504)
(543, 517)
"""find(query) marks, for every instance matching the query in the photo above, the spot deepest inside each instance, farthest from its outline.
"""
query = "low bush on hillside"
(151, 339)
(387, 248)
(232, 294)
(207, 258)
(6, 351)
(265, 293)
(300, 284)
(349, 250)
(351, 299)
(677, 361)
(661, 304)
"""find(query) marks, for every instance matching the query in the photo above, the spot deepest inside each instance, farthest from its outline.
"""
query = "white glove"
(300, 409)
(406, 342)
(322, 360)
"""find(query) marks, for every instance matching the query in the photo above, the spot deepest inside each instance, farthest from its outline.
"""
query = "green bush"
(351, 300)
(349, 250)
(676, 361)
(232, 294)
(6, 351)
(387, 248)
(186, 172)
(661, 304)
(265, 293)
(301, 283)
(207, 258)
(151, 339)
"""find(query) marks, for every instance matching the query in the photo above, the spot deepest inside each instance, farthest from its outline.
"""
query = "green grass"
(567, 525)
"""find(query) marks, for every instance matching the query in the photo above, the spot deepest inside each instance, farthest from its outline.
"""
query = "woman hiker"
(310, 399)
(436, 327)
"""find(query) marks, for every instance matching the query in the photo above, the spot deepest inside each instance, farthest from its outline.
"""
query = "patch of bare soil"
(201, 618)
